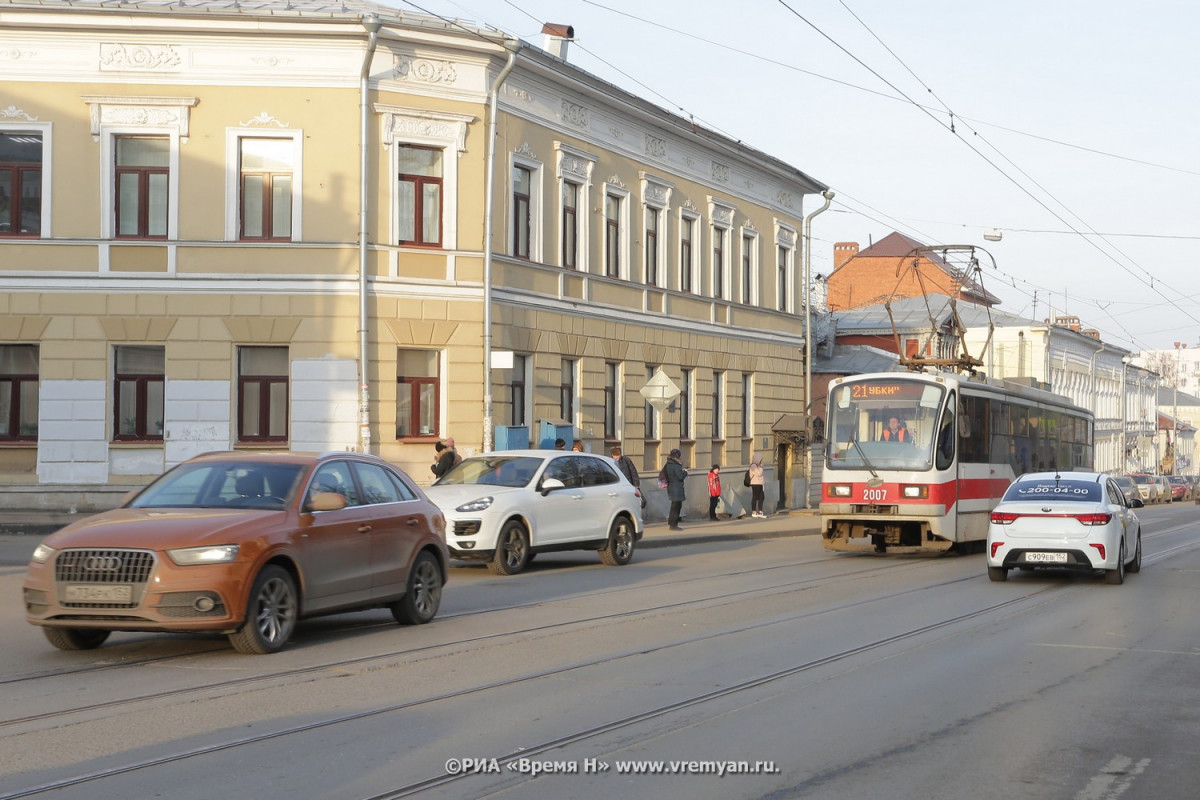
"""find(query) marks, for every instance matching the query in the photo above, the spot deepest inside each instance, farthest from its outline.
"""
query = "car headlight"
(190, 556)
(839, 490)
(482, 504)
(42, 554)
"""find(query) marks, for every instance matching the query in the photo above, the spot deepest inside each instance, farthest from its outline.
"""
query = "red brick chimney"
(843, 252)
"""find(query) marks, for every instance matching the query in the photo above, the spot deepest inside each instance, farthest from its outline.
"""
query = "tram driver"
(895, 431)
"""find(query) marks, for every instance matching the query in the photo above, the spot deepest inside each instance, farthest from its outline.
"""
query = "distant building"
(888, 270)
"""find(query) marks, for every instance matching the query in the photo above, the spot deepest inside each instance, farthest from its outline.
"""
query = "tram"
(915, 462)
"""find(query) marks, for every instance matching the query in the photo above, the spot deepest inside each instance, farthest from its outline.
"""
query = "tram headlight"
(839, 490)
(915, 492)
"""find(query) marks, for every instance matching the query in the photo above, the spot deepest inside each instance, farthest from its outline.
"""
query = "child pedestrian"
(714, 490)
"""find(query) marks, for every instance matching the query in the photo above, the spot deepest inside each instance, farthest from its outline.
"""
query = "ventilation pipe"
(557, 37)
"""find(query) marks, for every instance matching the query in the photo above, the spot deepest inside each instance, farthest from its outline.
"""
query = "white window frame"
(688, 379)
(575, 166)
(656, 197)
(614, 188)
(535, 204)
(721, 393)
(233, 177)
(720, 216)
(747, 405)
(652, 431)
(46, 131)
(692, 216)
(401, 125)
(576, 393)
(785, 237)
(748, 234)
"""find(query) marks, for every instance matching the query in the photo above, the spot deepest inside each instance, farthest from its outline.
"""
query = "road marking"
(1113, 780)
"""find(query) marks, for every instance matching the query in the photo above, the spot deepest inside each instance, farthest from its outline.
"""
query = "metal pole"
(372, 24)
(807, 289)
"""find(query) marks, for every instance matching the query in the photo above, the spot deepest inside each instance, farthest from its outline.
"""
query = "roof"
(897, 245)
(910, 314)
(1169, 396)
(852, 360)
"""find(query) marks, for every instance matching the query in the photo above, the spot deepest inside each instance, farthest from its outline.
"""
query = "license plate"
(1047, 558)
(120, 593)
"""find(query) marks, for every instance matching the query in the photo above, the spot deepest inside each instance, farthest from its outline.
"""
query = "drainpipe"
(372, 25)
(490, 178)
(807, 278)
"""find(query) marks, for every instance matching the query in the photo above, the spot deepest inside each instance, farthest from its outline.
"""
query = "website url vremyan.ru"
(593, 766)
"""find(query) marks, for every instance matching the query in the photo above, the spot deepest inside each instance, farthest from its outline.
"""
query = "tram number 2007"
(874, 495)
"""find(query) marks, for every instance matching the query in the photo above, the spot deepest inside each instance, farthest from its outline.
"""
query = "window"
(749, 267)
(718, 406)
(138, 383)
(143, 175)
(419, 195)
(266, 170)
(784, 267)
(18, 392)
(516, 390)
(612, 391)
(612, 236)
(566, 391)
(687, 234)
(653, 433)
(522, 182)
(652, 217)
(686, 431)
(417, 393)
(20, 184)
(747, 406)
(262, 394)
(718, 262)
(570, 224)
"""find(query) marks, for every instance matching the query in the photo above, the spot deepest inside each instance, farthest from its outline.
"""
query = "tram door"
(945, 463)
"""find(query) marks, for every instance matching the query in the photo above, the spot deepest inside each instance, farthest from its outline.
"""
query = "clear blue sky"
(1070, 119)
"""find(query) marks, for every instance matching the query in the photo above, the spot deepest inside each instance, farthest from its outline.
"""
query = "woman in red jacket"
(714, 490)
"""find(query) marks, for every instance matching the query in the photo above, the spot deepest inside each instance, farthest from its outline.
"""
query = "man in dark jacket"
(444, 461)
(676, 475)
(627, 468)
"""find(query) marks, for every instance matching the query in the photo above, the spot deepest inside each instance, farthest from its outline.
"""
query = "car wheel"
(997, 573)
(618, 551)
(512, 550)
(75, 638)
(423, 594)
(1117, 576)
(270, 613)
(1136, 564)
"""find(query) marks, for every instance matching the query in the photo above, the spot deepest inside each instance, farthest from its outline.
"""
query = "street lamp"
(807, 276)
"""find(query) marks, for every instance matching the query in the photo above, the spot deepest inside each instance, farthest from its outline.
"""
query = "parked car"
(1148, 488)
(243, 544)
(1127, 486)
(504, 508)
(1070, 520)
(1181, 488)
(1164, 488)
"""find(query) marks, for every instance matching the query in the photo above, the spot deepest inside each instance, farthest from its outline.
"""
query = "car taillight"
(1003, 517)
(1094, 519)
(1099, 547)
(996, 546)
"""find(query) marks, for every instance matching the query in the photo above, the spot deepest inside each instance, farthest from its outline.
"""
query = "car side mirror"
(1136, 503)
(550, 484)
(326, 501)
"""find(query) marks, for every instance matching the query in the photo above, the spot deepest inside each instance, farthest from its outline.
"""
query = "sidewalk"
(20, 532)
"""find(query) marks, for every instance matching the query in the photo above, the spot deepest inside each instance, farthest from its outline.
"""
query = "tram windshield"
(882, 423)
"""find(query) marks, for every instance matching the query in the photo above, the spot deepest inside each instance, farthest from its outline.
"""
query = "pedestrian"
(627, 468)
(457, 457)
(443, 462)
(577, 446)
(714, 490)
(560, 444)
(675, 475)
(756, 486)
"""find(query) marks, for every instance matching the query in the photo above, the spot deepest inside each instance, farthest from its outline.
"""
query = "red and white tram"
(915, 462)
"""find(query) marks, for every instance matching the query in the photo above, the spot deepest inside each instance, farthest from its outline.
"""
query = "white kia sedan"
(504, 508)
(1069, 520)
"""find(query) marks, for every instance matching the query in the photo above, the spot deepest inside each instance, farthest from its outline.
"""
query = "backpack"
(746, 480)
(662, 478)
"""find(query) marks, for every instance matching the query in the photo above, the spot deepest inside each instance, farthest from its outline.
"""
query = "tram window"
(944, 450)
(974, 431)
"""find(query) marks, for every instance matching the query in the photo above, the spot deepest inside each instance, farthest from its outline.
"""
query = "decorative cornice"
(400, 123)
(149, 112)
(139, 57)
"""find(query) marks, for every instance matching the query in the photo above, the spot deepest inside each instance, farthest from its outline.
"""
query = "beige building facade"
(284, 226)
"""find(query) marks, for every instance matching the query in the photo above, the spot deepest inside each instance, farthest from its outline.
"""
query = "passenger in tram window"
(895, 431)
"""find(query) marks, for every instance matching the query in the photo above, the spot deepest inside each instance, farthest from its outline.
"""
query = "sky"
(1068, 125)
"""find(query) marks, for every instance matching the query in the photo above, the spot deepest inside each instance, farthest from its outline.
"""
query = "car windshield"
(222, 484)
(1143, 479)
(1050, 489)
(494, 470)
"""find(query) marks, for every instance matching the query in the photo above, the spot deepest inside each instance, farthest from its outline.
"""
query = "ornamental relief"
(656, 147)
(720, 172)
(655, 194)
(579, 167)
(13, 54)
(12, 112)
(263, 120)
(139, 57)
(520, 94)
(787, 237)
(575, 114)
(784, 199)
(425, 70)
(722, 215)
(139, 115)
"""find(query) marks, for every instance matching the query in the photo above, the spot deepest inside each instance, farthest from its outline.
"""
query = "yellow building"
(282, 224)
